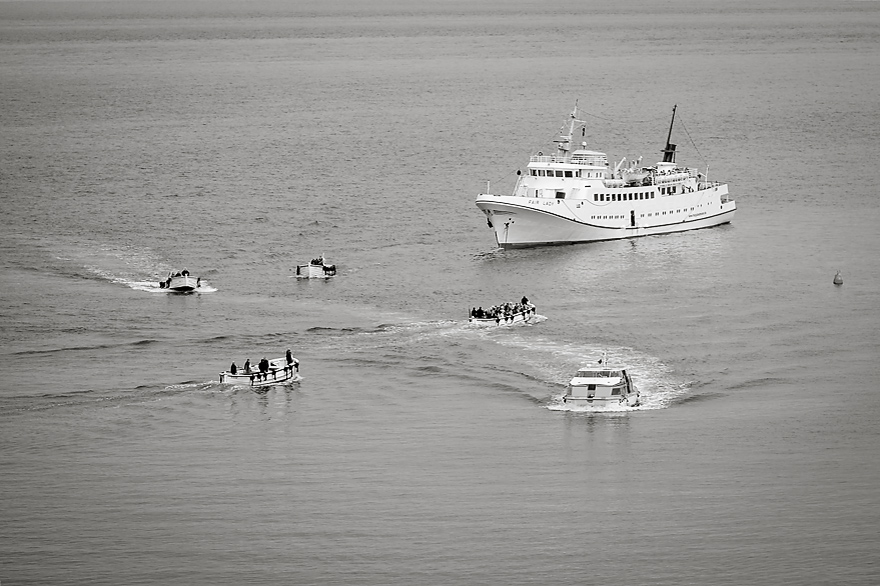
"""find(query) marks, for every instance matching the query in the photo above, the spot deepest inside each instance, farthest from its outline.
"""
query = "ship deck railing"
(587, 161)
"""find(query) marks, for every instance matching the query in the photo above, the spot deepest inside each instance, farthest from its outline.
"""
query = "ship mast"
(564, 142)
(669, 151)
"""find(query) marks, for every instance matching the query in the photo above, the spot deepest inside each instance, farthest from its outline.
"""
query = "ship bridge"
(578, 157)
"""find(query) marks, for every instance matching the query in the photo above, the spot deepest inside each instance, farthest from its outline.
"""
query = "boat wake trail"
(557, 362)
(136, 268)
(510, 358)
(143, 394)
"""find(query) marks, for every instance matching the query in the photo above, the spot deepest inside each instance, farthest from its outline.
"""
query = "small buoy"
(838, 280)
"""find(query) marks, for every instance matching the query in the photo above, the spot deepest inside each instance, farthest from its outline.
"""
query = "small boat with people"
(269, 371)
(316, 269)
(602, 385)
(574, 195)
(181, 282)
(504, 313)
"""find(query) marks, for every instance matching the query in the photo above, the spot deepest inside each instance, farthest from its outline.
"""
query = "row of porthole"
(638, 196)
(640, 215)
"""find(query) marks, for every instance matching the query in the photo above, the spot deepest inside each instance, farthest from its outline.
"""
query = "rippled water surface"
(239, 140)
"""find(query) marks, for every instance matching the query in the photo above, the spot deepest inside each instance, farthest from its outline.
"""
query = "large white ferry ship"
(575, 196)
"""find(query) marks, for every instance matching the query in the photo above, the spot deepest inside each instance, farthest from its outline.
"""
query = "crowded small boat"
(316, 269)
(181, 282)
(602, 385)
(504, 313)
(269, 371)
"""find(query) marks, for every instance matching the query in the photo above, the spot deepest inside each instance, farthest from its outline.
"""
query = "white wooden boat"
(603, 385)
(575, 196)
(181, 282)
(503, 314)
(276, 371)
(316, 269)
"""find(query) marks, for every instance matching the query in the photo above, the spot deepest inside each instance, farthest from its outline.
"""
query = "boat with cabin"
(504, 314)
(602, 385)
(573, 196)
(274, 371)
(181, 282)
(316, 269)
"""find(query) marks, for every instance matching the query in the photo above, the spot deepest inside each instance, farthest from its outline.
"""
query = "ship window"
(598, 373)
(591, 387)
(560, 195)
(534, 172)
(615, 391)
(601, 197)
(560, 174)
(652, 195)
(569, 174)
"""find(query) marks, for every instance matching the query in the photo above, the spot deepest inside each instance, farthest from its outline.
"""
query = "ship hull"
(521, 222)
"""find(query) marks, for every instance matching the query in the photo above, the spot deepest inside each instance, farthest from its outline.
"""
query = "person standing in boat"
(233, 369)
(289, 357)
(247, 365)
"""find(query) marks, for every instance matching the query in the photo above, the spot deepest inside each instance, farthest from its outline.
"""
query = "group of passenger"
(264, 368)
(505, 311)
(184, 273)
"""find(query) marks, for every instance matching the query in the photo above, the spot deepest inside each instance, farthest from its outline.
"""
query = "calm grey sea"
(239, 139)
